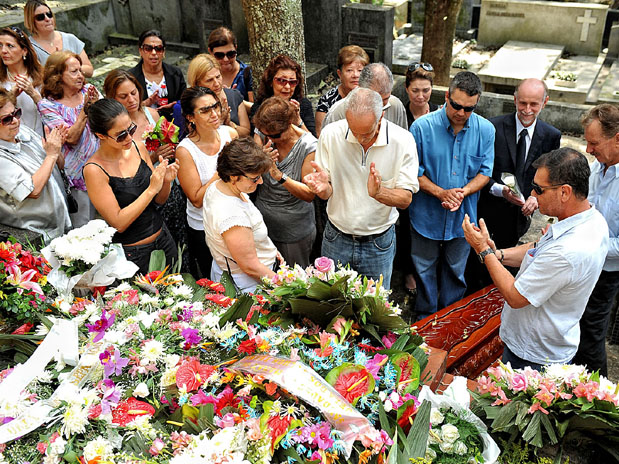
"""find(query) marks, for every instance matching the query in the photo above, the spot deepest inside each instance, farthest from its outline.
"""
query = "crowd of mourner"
(259, 178)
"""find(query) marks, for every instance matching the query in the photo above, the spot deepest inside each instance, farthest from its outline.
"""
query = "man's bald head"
(530, 97)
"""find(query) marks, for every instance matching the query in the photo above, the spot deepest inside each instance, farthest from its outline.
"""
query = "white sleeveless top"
(206, 166)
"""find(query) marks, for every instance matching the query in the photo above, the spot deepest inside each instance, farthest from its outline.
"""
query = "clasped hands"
(528, 207)
(318, 181)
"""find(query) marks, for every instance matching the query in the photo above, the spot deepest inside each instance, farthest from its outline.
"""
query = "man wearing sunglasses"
(602, 135)
(456, 152)
(378, 77)
(546, 299)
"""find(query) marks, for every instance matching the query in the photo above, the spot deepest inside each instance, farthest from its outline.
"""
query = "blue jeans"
(516, 361)
(371, 258)
(440, 266)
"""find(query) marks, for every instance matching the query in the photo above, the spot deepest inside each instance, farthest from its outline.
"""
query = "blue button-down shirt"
(604, 195)
(449, 161)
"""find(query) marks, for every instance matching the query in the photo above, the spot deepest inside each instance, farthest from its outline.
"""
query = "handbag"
(71, 201)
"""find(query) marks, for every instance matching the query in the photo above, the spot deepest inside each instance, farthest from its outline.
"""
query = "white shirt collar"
(519, 127)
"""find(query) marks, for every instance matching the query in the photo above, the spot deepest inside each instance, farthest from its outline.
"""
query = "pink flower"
(389, 339)
(486, 385)
(586, 390)
(324, 264)
(502, 399)
(374, 364)
(518, 382)
(544, 395)
(253, 429)
(294, 354)
(495, 372)
(536, 407)
(157, 447)
(338, 326)
(226, 421)
(42, 447)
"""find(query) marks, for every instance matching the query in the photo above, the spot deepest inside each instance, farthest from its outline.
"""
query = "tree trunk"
(274, 27)
(439, 31)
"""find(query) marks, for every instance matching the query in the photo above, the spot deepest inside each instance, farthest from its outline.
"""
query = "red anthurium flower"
(247, 346)
(221, 300)
(192, 374)
(277, 427)
(125, 412)
(23, 329)
(352, 385)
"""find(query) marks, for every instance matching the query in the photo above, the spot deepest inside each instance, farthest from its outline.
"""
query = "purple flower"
(101, 325)
(186, 315)
(112, 362)
(374, 364)
(202, 398)
(191, 337)
(111, 396)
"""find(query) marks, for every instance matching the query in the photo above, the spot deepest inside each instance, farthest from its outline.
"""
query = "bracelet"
(502, 256)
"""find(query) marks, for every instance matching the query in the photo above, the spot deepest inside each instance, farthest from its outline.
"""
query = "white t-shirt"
(221, 212)
(206, 166)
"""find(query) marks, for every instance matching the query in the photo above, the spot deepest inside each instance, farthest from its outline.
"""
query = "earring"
(24, 57)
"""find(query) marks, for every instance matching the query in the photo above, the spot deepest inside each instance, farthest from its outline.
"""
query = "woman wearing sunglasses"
(21, 73)
(162, 83)
(235, 231)
(40, 21)
(283, 78)
(204, 71)
(283, 199)
(236, 74)
(197, 154)
(32, 193)
(125, 187)
(66, 98)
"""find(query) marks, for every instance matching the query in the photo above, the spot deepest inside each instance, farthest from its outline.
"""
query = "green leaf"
(239, 310)
(157, 261)
(320, 312)
(549, 429)
(384, 420)
(505, 416)
(319, 291)
(392, 457)
(533, 432)
(228, 282)
(418, 434)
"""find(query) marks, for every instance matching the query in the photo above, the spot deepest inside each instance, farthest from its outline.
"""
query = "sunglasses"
(41, 16)
(458, 107)
(150, 48)
(8, 119)
(208, 109)
(221, 55)
(281, 81)
(273, 136)
(425, 66)
(121, 137)
(253, 179)
(18, 31)
(540, 190)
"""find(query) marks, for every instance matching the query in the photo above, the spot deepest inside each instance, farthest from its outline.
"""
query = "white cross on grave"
(586, 21)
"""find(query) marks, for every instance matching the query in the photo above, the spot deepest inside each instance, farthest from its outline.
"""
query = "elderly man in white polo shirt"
(544, 303)
(365, 167)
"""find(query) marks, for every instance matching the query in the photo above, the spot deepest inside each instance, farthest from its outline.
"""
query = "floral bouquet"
(23, 282)
(548, 407)
(510, 180)
(163, 133)
(323, 293)
(86, 257)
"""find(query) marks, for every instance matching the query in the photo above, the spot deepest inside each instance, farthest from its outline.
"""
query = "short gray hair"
(362, 101)
(376, 76)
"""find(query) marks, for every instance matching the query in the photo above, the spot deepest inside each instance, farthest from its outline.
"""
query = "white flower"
(99, 447)
(51, 459)
(430, 454)
(434, 438)
(169, 377)
(141, 390)
(436, 418)
(171, 360)
(74, 420)
(152, 350)
(115, 337)
(449, 433)
(446, 447)
(146, 298)
(460, 448)
(57, 447)
(388, 406)
(181, 290)
(382, 395)
(168, 301)
(607, 386)
(44, 377)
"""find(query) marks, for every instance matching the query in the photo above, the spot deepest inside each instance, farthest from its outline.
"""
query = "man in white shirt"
(546, 299)
(365, 167)
(602, 135)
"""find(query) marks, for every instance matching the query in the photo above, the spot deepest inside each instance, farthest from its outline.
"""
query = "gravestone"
(370, 27)
(148, 14)
(519, 60)
(586, 70)
(209, 15)
(322, 39)
(613, 41)
(610, 89)
(576, 26)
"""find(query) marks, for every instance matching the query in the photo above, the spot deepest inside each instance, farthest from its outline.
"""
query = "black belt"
(360, 238)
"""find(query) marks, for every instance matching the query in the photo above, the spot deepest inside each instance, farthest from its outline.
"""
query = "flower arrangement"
(158, 381)
(162, 133)
(23, 282)
(453, 438)
(546, 407)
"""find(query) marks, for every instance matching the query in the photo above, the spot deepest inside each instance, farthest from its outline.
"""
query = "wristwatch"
(283, 179)
(483, 254)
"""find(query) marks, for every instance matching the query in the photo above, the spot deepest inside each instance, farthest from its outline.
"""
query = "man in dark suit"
(521, 138)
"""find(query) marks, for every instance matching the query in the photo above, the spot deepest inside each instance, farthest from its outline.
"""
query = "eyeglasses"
(425, 66)
(208, 109)
(281, 81)
(221, 55)
(540, 190)
(121, 137)
(458, 107)
(253, 179)
(149, 48)
(8, 119)
(273, 136)
(41, 16)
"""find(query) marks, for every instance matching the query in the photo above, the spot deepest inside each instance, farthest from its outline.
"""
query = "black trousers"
(594, 323)
(140, 254)
(200, 258)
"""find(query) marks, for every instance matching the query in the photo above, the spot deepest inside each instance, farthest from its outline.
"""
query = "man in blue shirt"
(602, 135)
(456, 155)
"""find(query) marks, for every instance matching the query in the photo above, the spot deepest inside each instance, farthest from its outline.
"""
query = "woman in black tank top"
(125, 188)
